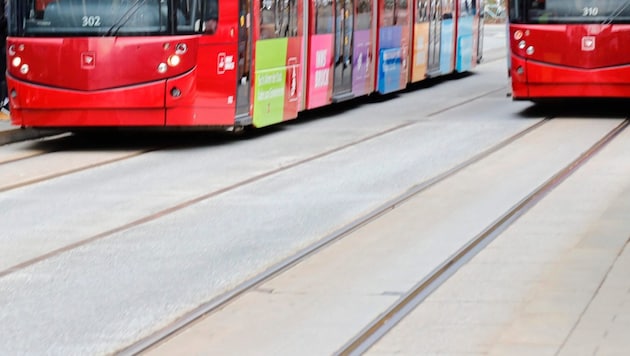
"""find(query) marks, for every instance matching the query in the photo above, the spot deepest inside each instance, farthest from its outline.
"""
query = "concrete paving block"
(583, 341)
(539, 329)
(447, 341)
(522, 349)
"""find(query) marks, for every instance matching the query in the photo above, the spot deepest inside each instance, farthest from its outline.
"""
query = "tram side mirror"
(210, 26)
(210, 17)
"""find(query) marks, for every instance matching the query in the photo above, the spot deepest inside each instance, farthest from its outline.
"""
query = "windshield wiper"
(616, 13)
(125, 17)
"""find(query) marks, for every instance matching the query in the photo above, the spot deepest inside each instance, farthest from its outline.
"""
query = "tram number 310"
(590, 11)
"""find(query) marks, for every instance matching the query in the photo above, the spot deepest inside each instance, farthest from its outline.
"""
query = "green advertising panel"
(271, 57)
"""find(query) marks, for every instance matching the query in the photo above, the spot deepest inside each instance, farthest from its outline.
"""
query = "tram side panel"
(447, 39)
(278, 61)
(362, 75)
(202, 101)
(320, 53)
(392, 46)
(465, 41)
(209, 92)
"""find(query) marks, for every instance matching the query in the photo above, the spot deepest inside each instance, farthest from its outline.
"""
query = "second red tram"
(569, 49)
(223, 63)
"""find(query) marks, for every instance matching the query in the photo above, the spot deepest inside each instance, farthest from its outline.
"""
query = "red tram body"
(569, 49)
(223, 63)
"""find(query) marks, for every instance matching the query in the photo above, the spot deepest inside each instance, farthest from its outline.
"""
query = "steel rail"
(74, 170)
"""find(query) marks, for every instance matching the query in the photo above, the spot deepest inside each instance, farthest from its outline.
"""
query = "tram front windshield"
(570, 11)
(107, 17)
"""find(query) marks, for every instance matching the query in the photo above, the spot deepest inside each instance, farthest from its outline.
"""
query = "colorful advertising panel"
(404, 53)
(390, 59)
(465, 44)
(361, 73)
(420, 51)
(389, 70)
(277, 80)
(446, 46)
(293, 85)
(270, 79)
(320, 71)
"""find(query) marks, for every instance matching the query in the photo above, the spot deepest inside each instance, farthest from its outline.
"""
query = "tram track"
(10, 183)
(370, 335)
(221, 301)
(191, 202)
(409, 300)
(45, 177)
(21, 156)
(188, 203)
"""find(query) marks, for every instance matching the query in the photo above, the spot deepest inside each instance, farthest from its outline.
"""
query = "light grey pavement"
(555, 283)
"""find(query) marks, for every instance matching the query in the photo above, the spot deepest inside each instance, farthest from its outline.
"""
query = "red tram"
(569, 49)
(223, 63)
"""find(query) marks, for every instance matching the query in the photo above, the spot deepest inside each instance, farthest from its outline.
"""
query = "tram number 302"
(590, 11)
(91, 21)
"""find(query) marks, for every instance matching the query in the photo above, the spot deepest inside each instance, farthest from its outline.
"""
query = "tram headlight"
(16, 61)
(24, 68)
(162, 67)
(530, 50)
(522, 45)
(174, 60)
(518, 34)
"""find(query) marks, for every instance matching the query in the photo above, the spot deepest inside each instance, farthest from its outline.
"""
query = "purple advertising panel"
(361, 73)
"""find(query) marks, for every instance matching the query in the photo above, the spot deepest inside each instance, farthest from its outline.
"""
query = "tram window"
(423, 11)
(267, 19)
(447, 6)
(388, 13)
(323, 16)
(287, 18)
(364, 15)
(278, 18)
(81, 18)
(402, 12)
(465, 8)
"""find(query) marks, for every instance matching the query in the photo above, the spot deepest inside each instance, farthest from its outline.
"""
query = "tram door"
(435, 33)
(244, 59)
(344, 23)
